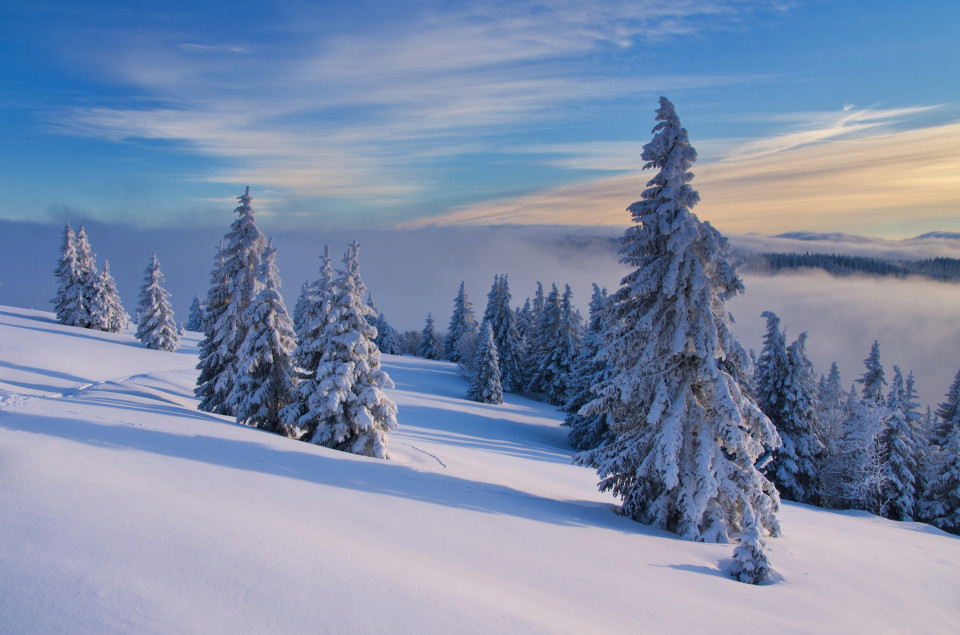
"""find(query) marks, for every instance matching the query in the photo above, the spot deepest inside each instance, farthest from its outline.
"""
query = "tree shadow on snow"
(320, 466)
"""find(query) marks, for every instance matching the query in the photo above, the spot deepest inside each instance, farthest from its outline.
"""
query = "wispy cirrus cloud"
(369, 112)
(851, 173)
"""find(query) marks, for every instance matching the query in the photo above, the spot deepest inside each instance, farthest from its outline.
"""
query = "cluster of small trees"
(88, 299)
(314, 377)
(872, 449)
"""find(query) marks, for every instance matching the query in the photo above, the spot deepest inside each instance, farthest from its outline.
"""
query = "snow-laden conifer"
(195, 319)
(88, 281)
(899, 455)
(264, 380)
(388, 340)
(462, 321)
(431, 346)
(589, 370)
(107, 310)
(69, 299)
(348, 409)
(771, 367)
(948, 413)
(502, 321)
(557, 367)
(156, 328)
(298, 308)
(750, 564)
(242, 256)
(485, 386)
(873, 379)
(790, 403)
(687, 439)
(215, 354)
(545, 334)
(942, 501)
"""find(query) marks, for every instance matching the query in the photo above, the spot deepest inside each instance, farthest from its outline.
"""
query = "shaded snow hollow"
(124, 509)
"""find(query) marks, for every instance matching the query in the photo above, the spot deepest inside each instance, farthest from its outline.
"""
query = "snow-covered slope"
(123, 509)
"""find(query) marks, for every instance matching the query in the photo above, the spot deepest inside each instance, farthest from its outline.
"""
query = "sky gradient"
(807, 115)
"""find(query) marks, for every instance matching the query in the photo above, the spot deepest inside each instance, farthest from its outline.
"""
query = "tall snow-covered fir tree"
(316, 305)
(899, 455)
(347, 408)
(156, 327)
(687, 439)
(195, 319)
(299, 306)
(107, 310)
(556, 367)
(786, 393)
(215, 354)
(242, 256)
(431, 346)
(461, 322)
(69, 299)
(87, 279)
(485, 386)
(587, 429)
(545, 334)
(502, 321)
(388, 340)
(264, 380)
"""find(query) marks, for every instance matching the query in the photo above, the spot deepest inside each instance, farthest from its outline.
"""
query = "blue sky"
(831, 116)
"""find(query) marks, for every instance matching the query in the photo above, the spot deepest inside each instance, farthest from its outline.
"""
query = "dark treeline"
(943, 269)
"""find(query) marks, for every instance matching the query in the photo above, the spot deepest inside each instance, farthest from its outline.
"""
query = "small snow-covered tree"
(347, 408)
(431, 347)
(107, 310)
(873, 380)
(196, 318)
(485, 386)
(264, 378)
(899, 455)
(686, 438)
(590, 369)
(156, 328)
(388, 340)
(502, 321)
(461, 322)
(750, 564)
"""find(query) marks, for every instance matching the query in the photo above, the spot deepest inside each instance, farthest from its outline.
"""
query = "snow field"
(123, 509)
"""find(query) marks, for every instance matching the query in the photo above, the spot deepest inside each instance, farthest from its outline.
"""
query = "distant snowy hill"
(124, 509)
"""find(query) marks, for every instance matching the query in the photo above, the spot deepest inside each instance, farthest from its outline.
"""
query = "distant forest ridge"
(942, 269)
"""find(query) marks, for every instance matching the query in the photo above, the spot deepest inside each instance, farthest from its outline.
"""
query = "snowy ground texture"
(124, 509)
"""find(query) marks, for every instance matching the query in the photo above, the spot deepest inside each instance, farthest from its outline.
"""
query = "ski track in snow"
(440, 464)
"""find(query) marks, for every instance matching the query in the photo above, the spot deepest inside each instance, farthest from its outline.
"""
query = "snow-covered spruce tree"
(348, 409)
(388, 340)
(264, 380)
(196, 317)
(898, 498)
(558, 365)
(107, 310)
(873, 380)
(859, 468)
(502, 321)
(771, 366)
(524, 315)
(298, 308)
(242, 255)
(461, 322)
(214, 352)
(432, 345)
(88, 281)
(544, 339)
(69, 299)
(156, 328)
(942, 500)
(790, 404)
(687, 440)
(948, 413)
(485, 386)
(589, 369)
(316, 305)
(750, 564)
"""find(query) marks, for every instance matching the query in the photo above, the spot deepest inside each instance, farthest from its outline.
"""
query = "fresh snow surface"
(124, 509)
